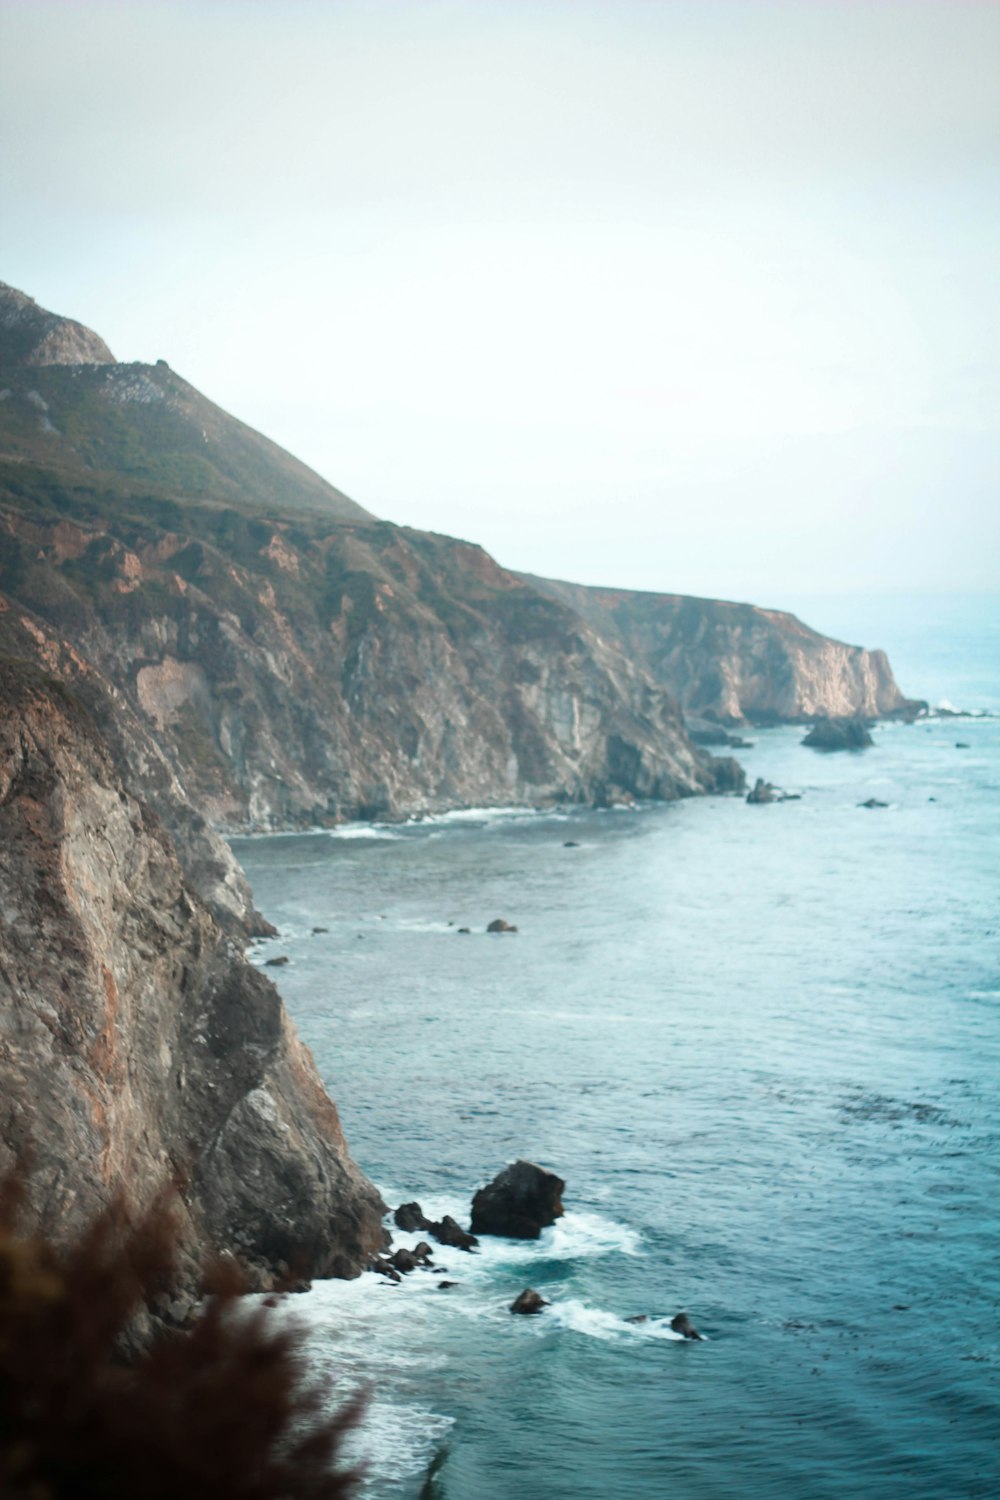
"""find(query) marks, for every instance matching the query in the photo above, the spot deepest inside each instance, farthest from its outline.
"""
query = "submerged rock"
(519, 1203)
(499, 925)
(682, 1324)
(528, 1301)
(873, 802)
(839, 734)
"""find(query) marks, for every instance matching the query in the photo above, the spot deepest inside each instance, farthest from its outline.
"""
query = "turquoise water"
(762, 1044)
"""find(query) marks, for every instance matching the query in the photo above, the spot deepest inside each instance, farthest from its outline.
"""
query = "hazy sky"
(684, 296)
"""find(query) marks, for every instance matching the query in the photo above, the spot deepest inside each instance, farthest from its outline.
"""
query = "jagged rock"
(873, 802)
(444, 1285)
(519, 1203)
(763, 792)
(839, 734)
(406, 1260)
(410, 1216)
(682, 1324)
(448, 1232)
(384, 1268)
(528, 1301)
(148, 1048)
(499, 925)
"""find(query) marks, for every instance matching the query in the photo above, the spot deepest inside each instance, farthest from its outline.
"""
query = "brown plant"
(223, 1411)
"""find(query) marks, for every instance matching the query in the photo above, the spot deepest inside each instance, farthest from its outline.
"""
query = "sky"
(695, 297)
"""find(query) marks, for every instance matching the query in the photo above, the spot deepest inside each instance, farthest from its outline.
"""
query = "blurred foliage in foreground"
(222, 1410)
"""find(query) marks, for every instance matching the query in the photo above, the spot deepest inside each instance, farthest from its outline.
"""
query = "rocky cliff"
(735, 662)
(302, 673)
(137, 1046)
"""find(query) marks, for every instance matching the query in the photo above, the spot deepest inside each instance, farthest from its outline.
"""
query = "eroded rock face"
(306, 673)
(137, 1046)
(519, 1203)
(728, 663)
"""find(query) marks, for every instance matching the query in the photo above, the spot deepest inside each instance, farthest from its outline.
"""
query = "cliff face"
(733, 662)
(298, 672)
(136, 1044)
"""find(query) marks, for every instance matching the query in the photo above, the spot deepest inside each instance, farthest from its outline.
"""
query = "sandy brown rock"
(137, 1046)
(728, 662)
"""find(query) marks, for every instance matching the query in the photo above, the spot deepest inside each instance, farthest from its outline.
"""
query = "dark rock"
(571, 844)
(423, 1251)
(448, 1232)
(320, 929)
(406, 1261)
(638, 1318)
(499, 925)
(873, 802)
(961, 745)
(839, 734)
(763, 792)
(275, 963)
(384, 1268)
(444, 1285)
(528, 1301)
(519, 1203)
(682, 1324)
(464, 931)
(411, 1217)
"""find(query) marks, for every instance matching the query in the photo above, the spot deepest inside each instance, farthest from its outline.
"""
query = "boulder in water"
(528, 1301)
(839, 734)
(499, 925)
(410, 1216)
(682, 1324)
(519, 1203)
(449, 1232)
(762, 793)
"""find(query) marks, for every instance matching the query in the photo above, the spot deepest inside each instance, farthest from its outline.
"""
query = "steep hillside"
(67, 407)
(735, 662)
(137, 1046)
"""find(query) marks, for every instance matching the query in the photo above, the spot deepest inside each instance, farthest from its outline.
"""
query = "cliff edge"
(137, 1046)
(735, 662)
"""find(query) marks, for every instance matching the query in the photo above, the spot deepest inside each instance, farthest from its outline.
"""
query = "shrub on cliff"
(219, 1413)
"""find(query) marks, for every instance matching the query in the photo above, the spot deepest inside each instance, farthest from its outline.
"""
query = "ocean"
(762, 1046)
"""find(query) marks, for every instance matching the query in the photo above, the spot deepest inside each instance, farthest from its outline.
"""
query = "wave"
(596, 1323)
(360, 831)
(577, 1235)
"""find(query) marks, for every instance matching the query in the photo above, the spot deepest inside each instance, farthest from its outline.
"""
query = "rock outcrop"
(839, 734)
(31, 336)
(137, 1046)
(729, 663)
(519, 1203)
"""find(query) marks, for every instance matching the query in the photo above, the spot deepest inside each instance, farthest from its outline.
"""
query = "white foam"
(361, 831)
(594, 1322)
(579, 1234)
